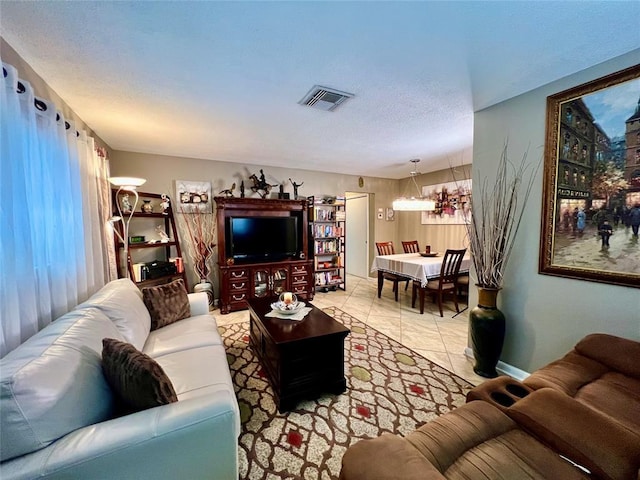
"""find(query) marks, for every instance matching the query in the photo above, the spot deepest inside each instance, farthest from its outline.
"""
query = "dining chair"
(411, 246)
(446, 283)
(463, 284)
(386, 248)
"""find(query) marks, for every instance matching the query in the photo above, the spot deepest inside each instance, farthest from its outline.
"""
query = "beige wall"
(547, 315)
(161, 173)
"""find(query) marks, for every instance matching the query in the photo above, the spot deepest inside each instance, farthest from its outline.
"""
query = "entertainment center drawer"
(238, 286)
(238, 301)
(239, 274)
(300, 269)
(300, 280)
(301, 290)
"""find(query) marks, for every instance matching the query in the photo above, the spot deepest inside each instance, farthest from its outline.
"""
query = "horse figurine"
(260, 185)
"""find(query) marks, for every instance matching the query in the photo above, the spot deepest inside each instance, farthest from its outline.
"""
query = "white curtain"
(51, 234)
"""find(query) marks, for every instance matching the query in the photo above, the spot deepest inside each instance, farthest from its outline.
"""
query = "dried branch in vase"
(495, 215)
(200, 229)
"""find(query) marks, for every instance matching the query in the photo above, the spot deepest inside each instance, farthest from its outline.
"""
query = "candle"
(427, 249)
(287, 298)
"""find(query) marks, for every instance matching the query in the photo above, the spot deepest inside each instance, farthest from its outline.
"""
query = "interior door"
(357, 235)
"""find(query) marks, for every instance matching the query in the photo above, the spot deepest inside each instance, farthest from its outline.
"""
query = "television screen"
(262, 238)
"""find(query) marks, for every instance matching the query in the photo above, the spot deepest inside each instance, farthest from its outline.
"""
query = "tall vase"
(205, 286)
(487, 327)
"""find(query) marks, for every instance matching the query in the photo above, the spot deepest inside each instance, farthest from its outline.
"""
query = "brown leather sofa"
(602, 372)
(574, 418)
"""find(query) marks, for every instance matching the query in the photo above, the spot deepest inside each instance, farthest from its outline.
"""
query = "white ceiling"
(221, 80)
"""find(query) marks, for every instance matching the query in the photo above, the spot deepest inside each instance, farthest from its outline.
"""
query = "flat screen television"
(262, 239)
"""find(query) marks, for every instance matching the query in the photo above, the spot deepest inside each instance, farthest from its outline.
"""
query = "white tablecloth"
(415, 266)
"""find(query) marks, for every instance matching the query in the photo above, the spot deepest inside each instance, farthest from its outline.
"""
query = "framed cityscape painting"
(591, 192)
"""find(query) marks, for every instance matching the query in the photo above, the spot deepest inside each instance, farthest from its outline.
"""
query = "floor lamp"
(125, 184)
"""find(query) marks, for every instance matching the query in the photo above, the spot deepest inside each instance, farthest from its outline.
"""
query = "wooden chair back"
(451, 266)
(385, 248)
(411, 246)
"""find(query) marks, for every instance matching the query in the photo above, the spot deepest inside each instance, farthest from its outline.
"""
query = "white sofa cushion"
(198, 331)
(53, 383)
(200, 372)
(121, 301)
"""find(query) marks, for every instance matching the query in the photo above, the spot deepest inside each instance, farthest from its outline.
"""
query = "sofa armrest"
(202, 430)
(580, 433)
(385, 457)
(198, 303)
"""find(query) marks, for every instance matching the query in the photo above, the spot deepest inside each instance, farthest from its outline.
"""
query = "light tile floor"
(440, 339)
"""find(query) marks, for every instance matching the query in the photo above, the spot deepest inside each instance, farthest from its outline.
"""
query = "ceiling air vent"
(324, 98)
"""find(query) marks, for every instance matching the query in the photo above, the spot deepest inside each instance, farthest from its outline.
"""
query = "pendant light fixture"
(414, 204)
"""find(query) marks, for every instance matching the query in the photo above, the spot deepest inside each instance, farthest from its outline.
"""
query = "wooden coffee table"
(302, 359)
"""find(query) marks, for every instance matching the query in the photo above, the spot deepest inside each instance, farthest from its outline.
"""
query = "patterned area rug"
(390, 389)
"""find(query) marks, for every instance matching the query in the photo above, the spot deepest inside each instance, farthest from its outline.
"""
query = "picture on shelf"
(193, 196)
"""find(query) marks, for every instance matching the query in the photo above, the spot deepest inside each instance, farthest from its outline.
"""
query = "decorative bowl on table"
(287, 304)
(430, 254)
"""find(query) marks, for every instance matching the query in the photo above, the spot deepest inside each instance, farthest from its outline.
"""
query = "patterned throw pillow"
(136, 378)
(166, 303)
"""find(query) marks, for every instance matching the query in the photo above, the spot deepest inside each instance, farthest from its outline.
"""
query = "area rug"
(390, 389)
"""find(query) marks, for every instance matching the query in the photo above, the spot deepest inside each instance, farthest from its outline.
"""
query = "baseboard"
(503, 368)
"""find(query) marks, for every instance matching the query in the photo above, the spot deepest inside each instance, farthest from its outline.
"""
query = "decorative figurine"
(295, 188)
(126, 204)
(146, 207)
(229, 191)
(281, 194)
(165, 203)
(260, 186)
(164, 238)
(242, 189)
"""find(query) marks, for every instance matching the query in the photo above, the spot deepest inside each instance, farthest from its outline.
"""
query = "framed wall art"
(391, 214)
(193, 196)
(452, 203)
(591, 191)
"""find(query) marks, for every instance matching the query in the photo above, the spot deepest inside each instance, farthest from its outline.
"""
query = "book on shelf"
(327, 278)
(139, 271)
(327, 231)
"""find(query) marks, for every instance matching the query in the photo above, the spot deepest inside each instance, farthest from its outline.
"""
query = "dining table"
(415, 266)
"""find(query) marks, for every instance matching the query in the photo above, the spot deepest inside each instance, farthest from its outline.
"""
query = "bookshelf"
(328, 231)
(146, 250)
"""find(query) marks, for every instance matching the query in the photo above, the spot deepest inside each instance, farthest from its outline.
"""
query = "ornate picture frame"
(592, 181)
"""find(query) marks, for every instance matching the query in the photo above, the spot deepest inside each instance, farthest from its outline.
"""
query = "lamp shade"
(129, 183)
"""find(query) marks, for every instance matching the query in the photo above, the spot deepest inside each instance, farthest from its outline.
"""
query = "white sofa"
(57, 410)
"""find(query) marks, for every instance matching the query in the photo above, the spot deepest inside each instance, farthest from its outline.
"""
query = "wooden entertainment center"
(240, 280)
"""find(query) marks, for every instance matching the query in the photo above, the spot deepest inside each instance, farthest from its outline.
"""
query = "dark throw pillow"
(136, 378)
(166, 303)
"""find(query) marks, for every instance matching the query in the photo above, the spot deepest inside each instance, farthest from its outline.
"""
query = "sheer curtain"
(51, 236)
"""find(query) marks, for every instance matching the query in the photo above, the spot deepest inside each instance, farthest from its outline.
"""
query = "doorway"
(357, 234)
